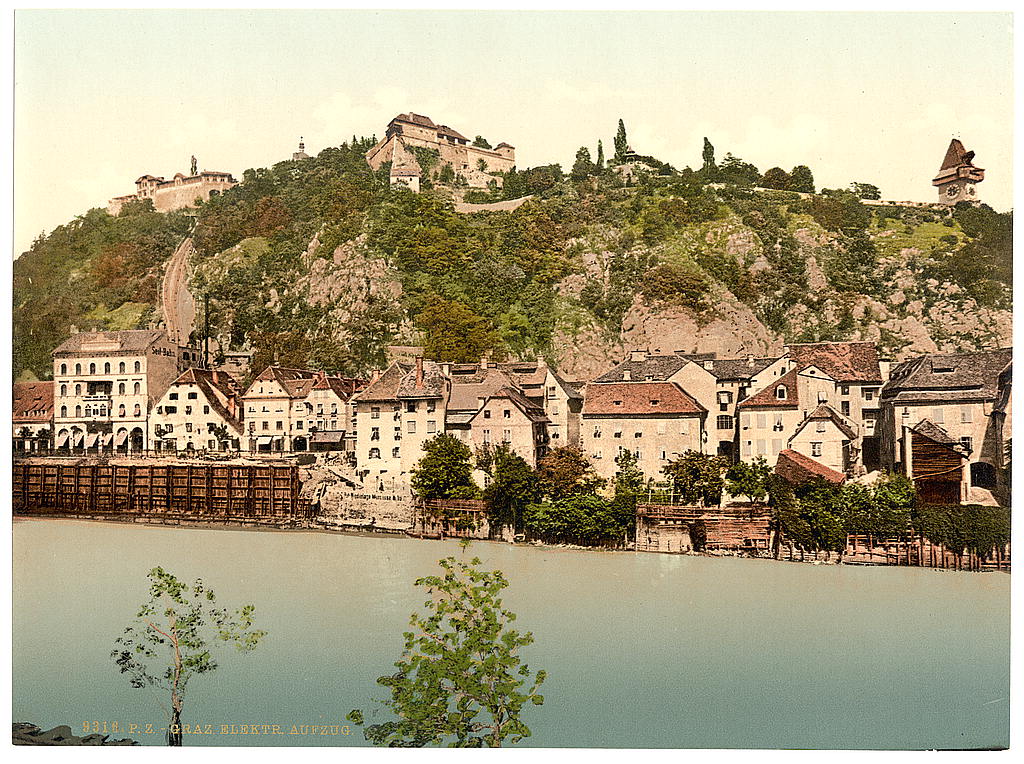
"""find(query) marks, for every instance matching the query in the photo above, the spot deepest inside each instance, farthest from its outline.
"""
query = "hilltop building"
(301, 153)
(180, 192)
(957, 178)
(408, 132)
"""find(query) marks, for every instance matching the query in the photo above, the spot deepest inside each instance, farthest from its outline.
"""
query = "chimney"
(750, 359)
(709, 364)
(374, 375)
(638, 355)
(419, 372)
(885, 366)
(446, 369)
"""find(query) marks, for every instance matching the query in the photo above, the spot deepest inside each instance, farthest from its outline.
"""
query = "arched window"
(78, 411)
(136, 388)
(781, 392)
(78, 389)
(92, 368)
(106, 367)
(138, 411)
(88, 411)
(63, 390)
(120, 388)
(120, 410)
(375, 453)
(63, 411)
(120, 367)
(138, 367)
(78, 368)
(63, 369)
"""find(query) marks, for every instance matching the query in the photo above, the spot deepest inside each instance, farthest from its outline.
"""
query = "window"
(967, 443)
(136, 388)
(375, 453)
(487, 436)
(410, 406)
(506, 436)
(410, 426)
(822, 396)
(206, 409)
(966, 415)
(905, 413)
(778, 426)
(663, 454)
(63, 369)
(761, 451)
(431, 425)
(844, 390)
(745, 420)
(171, 409)
(781, 393)
(937, 416)
(617, 434)
(869, 425)
(815, 449)
(88, 411)
(638, 434)
(193, 396)
(266, 424)
(138, 410)
(172, 396)
(211, 444)
(762, 421)
(92, 368)
(169, 428)
(120, 388)
(661, 428)
(188, 410)
(819, 426)
(78, 389)
(280, 424)
(188, 427)
(551, 392)
(374, 433)
(120, 368)
(597, 432)
(138, 367)
(63, 390)
(395, 452)
(78, 368)
(78, 411)
(724, 422)
(63, 411)
(487, 414)
(298, 425)
(844, 408)
(869, 393)
(120, 410)
(375, 413)
(776, 445)
(106, 367)
(724, 399)
(507, 414)
(431, 406)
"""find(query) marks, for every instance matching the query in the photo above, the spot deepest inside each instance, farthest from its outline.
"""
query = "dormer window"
(781, 393)
(617, 403)
(655, 401)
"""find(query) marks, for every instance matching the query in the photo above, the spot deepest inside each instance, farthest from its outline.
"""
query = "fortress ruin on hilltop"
(407, 132)
(179, 192)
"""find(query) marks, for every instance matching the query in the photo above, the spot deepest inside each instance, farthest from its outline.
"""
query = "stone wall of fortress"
(461, 158)
(174, 195)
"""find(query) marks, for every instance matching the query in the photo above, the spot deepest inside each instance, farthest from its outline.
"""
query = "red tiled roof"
(794, 467)
(638, 399)
(768, 398)
(843, 361)
(33, 402)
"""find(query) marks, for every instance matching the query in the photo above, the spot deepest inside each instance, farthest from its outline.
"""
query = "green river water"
(642, 650)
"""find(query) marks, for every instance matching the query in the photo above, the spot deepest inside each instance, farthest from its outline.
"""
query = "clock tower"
(957, 179)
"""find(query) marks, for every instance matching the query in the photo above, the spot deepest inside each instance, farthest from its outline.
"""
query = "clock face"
(952, 190)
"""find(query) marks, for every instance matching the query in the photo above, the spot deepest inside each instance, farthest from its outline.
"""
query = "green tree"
(801, 179)
(776, 177)
(566, 471)
(865, 190)
(710, 169)
(461, 680)
(481, 142)
(513, 486)
(583, 167)
(697, 478)
(454, 332)
(599, 162)
(445, 470)
(621, 143)
(749, 479)
(735, 170)
(447, 174)
(584, 519)
(179, 625)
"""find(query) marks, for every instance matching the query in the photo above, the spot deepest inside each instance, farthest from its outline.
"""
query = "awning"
(122, 436)
(264, 440)
(77, 437)
(62, 439)
(91, 439)
(328, 436)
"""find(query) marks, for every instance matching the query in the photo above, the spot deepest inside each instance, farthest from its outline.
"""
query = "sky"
(102, 97)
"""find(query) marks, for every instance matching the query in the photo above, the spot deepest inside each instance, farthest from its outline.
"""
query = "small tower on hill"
(301, 153)
(957, 178)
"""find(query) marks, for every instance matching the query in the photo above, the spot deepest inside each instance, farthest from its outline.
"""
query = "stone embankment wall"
(345, 507)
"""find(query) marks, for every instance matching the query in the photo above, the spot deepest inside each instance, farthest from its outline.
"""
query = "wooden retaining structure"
(666, 528)
(918, 551)
(451, 518)
(190, 492)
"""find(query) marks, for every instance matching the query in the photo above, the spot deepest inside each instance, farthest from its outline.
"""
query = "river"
(642, 650)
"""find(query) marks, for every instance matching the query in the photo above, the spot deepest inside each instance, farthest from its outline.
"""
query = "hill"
(320, 262)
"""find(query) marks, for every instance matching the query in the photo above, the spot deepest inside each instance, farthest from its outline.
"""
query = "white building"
(200, 411)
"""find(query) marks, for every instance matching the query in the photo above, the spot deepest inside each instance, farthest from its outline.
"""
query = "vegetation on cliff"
(320, 262)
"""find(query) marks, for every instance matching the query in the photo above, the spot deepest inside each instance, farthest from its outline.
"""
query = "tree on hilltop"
(599, 162)
(710, 169)
(583, 167)
(801, 179)
(481, 143)
(775, 177)
(621, 143)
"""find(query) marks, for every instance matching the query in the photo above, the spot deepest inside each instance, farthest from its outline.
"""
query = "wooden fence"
(452, 518)
(919, 551)
(671, 528)
(207, 493)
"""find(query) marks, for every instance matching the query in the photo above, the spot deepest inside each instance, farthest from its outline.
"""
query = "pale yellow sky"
(105, 96)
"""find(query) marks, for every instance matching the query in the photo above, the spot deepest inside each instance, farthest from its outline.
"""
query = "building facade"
(200, 411)
(957, 179)
(32, 416)
(180, 192)
(106, 383)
